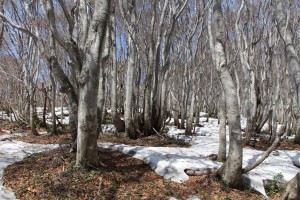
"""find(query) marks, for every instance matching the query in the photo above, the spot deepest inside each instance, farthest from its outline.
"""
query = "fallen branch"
(99, 186)
(267, 152)
(200, 172)
(6, 139)
(158, 133)
(296, 164)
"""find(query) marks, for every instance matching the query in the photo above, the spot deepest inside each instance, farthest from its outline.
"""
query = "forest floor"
(53, 175)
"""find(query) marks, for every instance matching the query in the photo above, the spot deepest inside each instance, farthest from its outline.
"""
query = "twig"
(158, 133)
(99, 186)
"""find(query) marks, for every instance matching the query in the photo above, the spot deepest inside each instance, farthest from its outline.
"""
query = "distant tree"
(131, 26)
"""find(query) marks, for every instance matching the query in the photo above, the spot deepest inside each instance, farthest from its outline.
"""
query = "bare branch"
(67, 15)
(20, 28)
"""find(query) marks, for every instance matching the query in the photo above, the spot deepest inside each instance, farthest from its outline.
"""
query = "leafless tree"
(232, 169)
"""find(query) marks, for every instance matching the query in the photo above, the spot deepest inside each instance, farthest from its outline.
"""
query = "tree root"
(293, 189)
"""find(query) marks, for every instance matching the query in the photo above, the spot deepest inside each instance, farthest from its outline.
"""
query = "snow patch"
(108, 128)
(170, 162)
(13, 151)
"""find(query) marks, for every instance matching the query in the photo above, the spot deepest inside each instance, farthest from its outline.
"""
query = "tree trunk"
(197, 116)
(44, 90)
(101, 112)
(101, 96)
(164, 95)
(160, 80)
(184, 94)
(54, 127)
(291, 55)
(32, 114)
(151, 88)
(249, 76)
(222, 131)
(88, 84)
(114, 71)
(129, 121)
(231, 170)
(147, 104)
(1, 24)
(73, 121)
(147, 93)
(68, 89)
(189, 122)
(293, 189)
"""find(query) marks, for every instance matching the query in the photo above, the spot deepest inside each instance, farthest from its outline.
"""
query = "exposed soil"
(15, 128)
(6, 125)
(153, 141)
(53, 175)
(45, 139)
(263, 145)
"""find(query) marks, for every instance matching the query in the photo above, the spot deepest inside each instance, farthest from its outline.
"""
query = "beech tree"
(114, 70)
(231, 170)
(292, 59)
(150, 60)
(89, 81)
(132, 53)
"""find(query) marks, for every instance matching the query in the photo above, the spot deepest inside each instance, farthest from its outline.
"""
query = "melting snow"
(13, 151)
(170, 162)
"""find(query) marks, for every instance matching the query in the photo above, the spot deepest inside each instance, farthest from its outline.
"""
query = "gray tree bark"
(222, 130)
(293, 187)
(102, 81)
(31, 64)
(132, 53)
(159, 92)
(54, 126)
(1, 24)
(114, 71)
(88, 84)
(191, 85)
(53, 54)
(291, 55)
(245, 52)
(151, 88)
(231, 170)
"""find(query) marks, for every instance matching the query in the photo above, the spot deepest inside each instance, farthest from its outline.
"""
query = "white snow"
(10, 135)
(167, 162)
(4, 116)
(170, 162)
(39, 110)
(193, 197)
(108, 128)
(203, 114)
(58, 112)
(13, 151)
